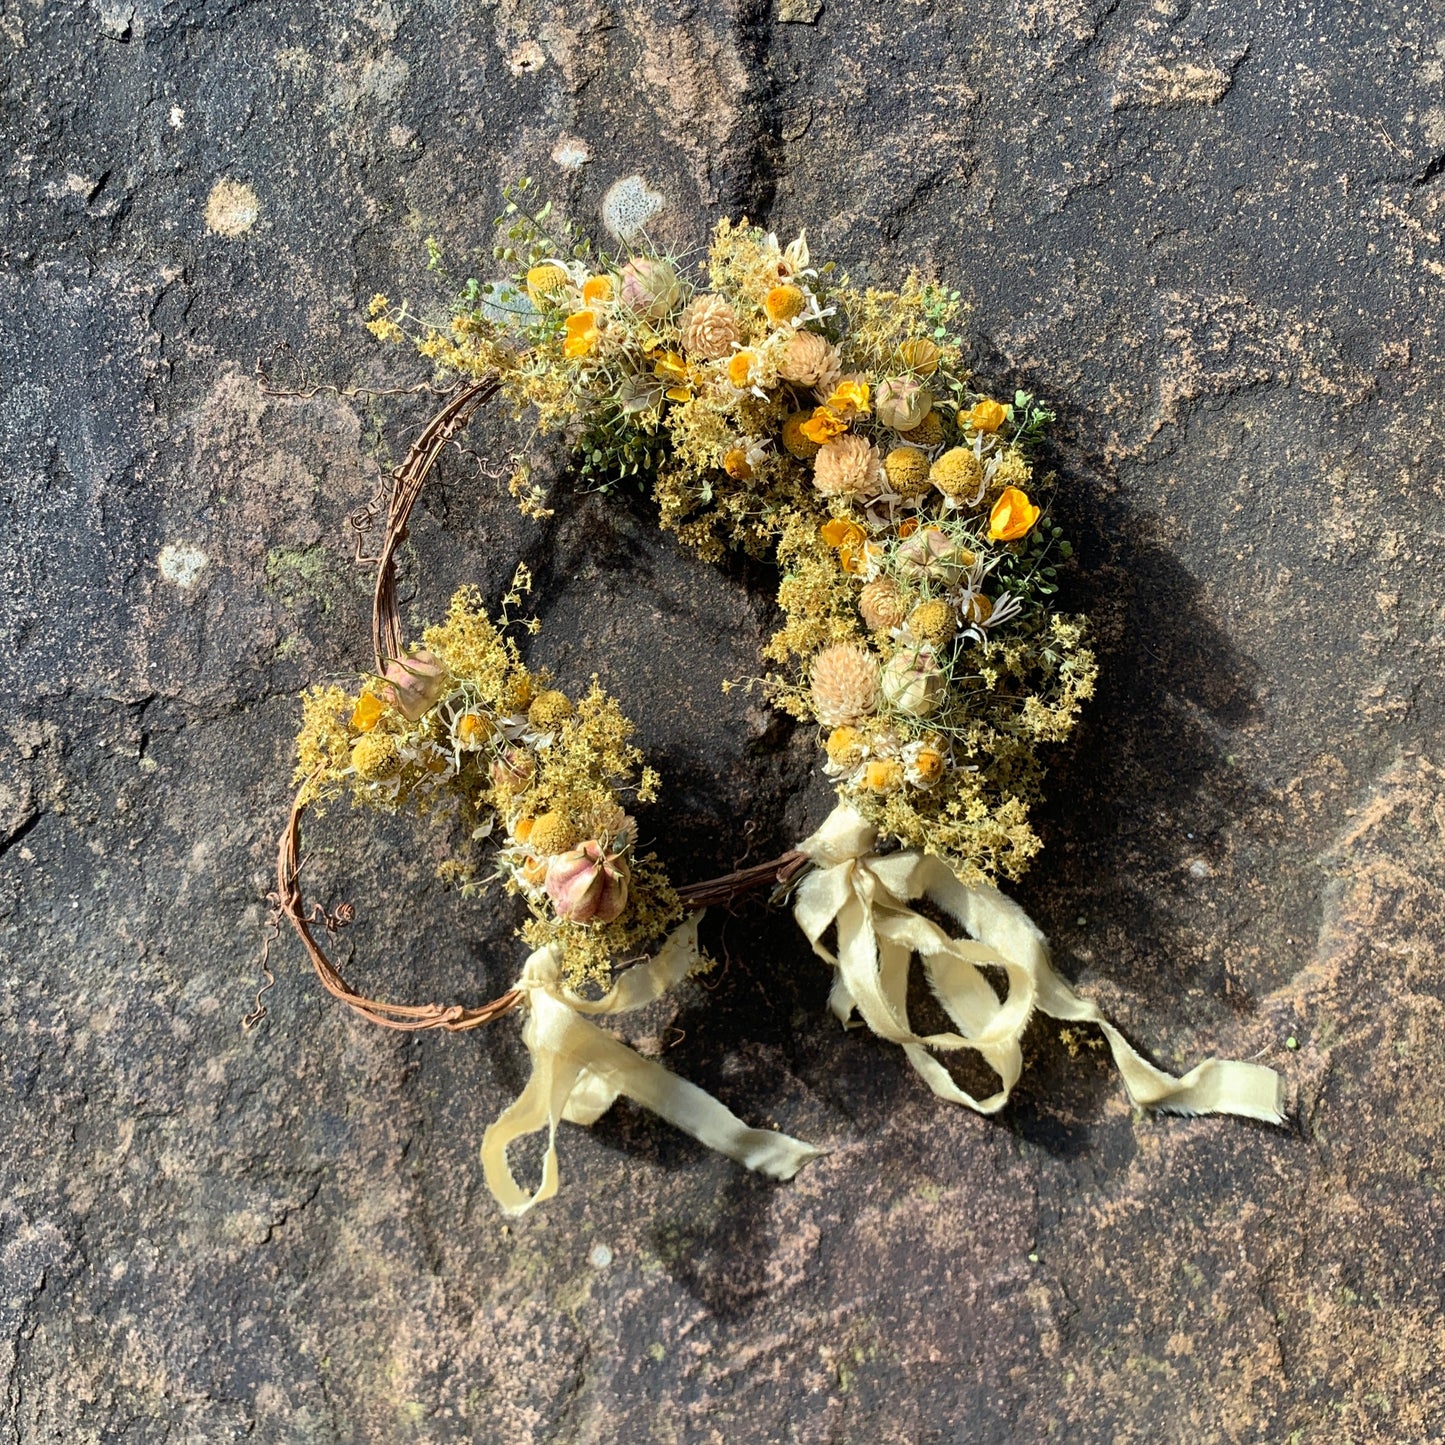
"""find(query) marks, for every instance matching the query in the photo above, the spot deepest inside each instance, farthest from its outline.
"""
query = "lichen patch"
(231, 209)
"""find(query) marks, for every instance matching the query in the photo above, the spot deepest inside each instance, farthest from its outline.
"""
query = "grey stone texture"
(1210, 233)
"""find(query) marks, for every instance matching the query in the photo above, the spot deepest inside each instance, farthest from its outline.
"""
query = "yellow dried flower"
(958, 474)
(845, 685)
(927, 434)
(986, 415)
(375, 756)
(783, 303)
(920, 356)
(1012, 517)
(735, 464)
(848, 466)
(516, 693)
(544, 282)
(709, 328)
(933, 622)
(582, 334)
(882, 605)
(549, 710)
(824, 425)
(845, 747)
(597, 290)
(1011, 470)
(367, 712)
(810, 361)
(796, 441)
(848, 397)
(883, 775)
(907, 470)
(842, 532)
(552, 833)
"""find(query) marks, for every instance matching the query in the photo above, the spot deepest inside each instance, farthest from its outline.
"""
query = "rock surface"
(1211, 234)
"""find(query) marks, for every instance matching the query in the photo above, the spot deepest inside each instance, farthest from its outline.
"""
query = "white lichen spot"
(177, 117)
(526, 58)
(600, 1256)
(571, 153)
(628, 206)
(231, 209)
(181, 564)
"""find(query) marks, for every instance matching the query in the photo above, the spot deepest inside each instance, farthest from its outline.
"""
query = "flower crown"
(773, 406)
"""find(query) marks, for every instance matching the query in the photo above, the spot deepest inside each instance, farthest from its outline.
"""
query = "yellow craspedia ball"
(549, 710)
(845, 746)
(933, 622)
(907, 469)
(783, 303)
(375, 756)
(552, 833)
(544, 281)
(927, 434)
(795, 442)
(957, 473)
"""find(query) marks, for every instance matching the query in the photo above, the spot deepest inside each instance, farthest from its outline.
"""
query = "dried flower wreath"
(835, 430)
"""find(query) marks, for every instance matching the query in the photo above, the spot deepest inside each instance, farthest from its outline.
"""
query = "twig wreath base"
(791, 414)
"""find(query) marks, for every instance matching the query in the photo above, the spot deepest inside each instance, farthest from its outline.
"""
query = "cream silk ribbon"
(579, 1069)
(867, 897)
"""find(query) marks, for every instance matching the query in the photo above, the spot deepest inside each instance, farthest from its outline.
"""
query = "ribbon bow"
(579, 1069)
(867, 897)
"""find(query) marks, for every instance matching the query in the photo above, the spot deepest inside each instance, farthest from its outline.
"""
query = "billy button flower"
(986, 416)
(545, 283)
(1013, 516)
(796, 441)
(783, 303)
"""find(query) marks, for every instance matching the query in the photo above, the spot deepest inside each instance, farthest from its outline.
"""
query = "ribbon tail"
(694, 1110)
(578, 1070)
(539, 1106)
(1217, 1086)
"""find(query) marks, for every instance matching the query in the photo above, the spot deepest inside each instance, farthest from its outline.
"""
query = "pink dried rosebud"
(588, 884)
(414, 684)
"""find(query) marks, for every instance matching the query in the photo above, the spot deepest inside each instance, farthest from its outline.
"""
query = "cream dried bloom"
(848, 466)
(845, 685)
(709, 328)
(882, 605)
(810, 361)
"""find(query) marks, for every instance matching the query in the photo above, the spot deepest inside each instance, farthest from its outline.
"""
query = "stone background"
(1211, 233)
